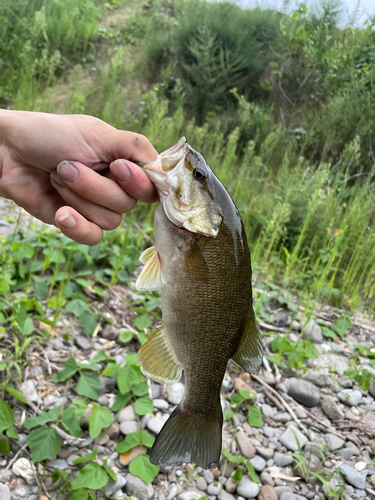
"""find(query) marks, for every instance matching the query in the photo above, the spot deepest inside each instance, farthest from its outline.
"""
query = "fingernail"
(67, 220)
(120, 170)
(57, 179)
(67, 171)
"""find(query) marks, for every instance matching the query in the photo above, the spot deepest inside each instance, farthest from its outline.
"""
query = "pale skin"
(49, 165)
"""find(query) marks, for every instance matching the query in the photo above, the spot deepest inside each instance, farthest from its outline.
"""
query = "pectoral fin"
(158, 359)
(250, 351)
(151, 276)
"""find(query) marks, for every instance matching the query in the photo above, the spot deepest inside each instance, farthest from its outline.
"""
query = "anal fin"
(151, 276)
(249, 354)
(158, 359)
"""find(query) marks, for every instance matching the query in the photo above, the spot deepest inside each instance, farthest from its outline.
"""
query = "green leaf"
(43, 418)
(4, 286)
(143, 405)
(84, 283)
(134, 439)
(72, 416)
(89, 366)
(86, 458)
(126, 336)
(17, 394)
(131, 359)
(253, 475)
(120, 401)
(342, 325)
(27, 327)
(245, 394)
(79, 495)
(4, 446)
(90, 476)
(88, 385)
(328, 333)
(255, 416)
(77, 307)
(109, 471)
(236, 400)
(143, 468)
(70, 369)
(2, 366)
(142, 337)
(99, 291)
(233, 458)
(88, 322)
(43, 443)
(237, 475)
(127, 377)
(227, 414)
(41, 289)
(22, 251)
(140, 389)
(143, 321)
(102, 356)
(6, 416)
(11, 432)
(100, 418)
(111, 370)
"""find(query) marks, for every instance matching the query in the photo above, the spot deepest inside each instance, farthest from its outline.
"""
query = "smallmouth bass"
(201, 263)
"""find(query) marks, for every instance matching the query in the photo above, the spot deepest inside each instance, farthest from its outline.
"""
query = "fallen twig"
(272, 328)
(68, 439)
(11, 462)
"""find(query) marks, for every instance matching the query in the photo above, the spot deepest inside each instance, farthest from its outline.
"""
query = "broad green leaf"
(342, 325)
(88, 322)
(70, 369)
(86, 458)
(99, 291)
(43, 418)
(237, 475)
(143, 405)
(140, 389)
(126, 336)
(255, 417)
(6, 416)
(90, 476)
(79, 495)
(100, 418)
(111, 370)
(121, 400)
(131, 359)
(4, 286)
(17, 394)
(27, 327)
(102, 356)
(43, 443)
(11, 432)
(41, 289)
(233, 458)
(88, 385)
(142, 337)
(92, 495)
(227, 414)
(84, 283)
(22, 251)
(246, 394)
(143, 468)
(128, 376)
(72, 416)
(2, 366)
(328, 333)
(253, 475)
(143, 321)
(134, 439)
(236, 400)
(4, 446)
(77, 307)
(109, 471)
(90, 366)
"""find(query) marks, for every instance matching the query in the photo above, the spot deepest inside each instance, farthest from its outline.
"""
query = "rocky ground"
(321, 416)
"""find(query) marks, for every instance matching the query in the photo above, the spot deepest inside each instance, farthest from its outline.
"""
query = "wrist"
(6, 120)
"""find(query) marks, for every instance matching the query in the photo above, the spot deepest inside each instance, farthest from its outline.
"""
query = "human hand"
(75, 197)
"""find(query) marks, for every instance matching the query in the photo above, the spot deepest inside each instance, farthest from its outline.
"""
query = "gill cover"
(186, 187)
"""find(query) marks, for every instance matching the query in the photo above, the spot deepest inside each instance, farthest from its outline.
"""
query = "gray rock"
(107, 385)
(371, 389)
(225, 495)
(336, 362)
(319, 377)
(83, 342)
(345, 382)
(350, 397)
(135, 486)
(175, 393)
(21, 491)
(267, 410)
(304, 392)
(245, 445)
(290, 436)
(331, 408)
(58, 463)
(128, 427)
(208, 476)
(161, 404)
(312, 331)
(345, 453)
(334, 442)
(103, 400)
(25, 469)
(22, 439)
(113, 486)
(281, 318)
(291, 496)
(360, 493)
(354, 448)
(29, 392)
(282, 417)
(258, 463)
(282, 489)
(369, 418)
(201, 484)
(110, 332)
(247, 488)
(190, 495)
(113, 431)
(173, 490)
(266, 453)
(155, 424)
(230, 485)
(156, 391)
(282, 460)
(268, 431)
(4, 492)
(352, 476)
(126, 414)
(214, 488)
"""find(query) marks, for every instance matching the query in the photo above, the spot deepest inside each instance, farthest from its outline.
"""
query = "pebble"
(247, 488)
(29, 392)
(266, 478)
(208, 476)
(318, 377)
(103, 400)
(110, 332)
(161, 404)
(175, 393)
(201, 484)
(291, 496)
(135, 486)
(266, 453)
(156, 390)
(4, 492)
(126, 414)
(371, 389)
(304, 392)
(345, 453)
(258, 463)
(354, 448)
(267, 410)
(126, 457)
(58, 463)
(282, 460)
(290, 436)
(340, 362)
(331, 408)
(83, 342)
(190, 495)
(312, 331)
(346, 382)
(350, 397)
(245, 445)
(231, 485)
(128, 427)
(352, 476)
(282, 417)
(25, 469)
(112, 486)
(214, 489)
(173, 490)
(155, 424)
(268, 431)
(225, 495)
(267, 492)
(113, 431)
(107, 385)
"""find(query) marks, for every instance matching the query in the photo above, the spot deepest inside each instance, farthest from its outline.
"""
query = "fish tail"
(187, 439)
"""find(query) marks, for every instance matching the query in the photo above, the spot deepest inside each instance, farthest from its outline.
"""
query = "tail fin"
(184, 439)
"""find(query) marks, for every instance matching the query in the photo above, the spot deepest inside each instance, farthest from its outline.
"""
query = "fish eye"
(200, 174)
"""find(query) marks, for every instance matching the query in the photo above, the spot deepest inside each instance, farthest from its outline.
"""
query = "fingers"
(76, 227)
(132, 146)
(134, 181)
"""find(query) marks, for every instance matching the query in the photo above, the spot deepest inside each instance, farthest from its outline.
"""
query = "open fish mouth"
(167, 160)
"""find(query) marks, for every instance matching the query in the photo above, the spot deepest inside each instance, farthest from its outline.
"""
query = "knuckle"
(112, 222)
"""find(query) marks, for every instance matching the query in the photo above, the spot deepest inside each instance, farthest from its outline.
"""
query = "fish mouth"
(167, 160)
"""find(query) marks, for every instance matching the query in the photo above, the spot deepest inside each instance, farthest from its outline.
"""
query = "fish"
(201, 263)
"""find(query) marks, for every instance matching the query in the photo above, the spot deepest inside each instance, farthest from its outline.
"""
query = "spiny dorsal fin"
(249, 354)
(158, 359)
(151, 276)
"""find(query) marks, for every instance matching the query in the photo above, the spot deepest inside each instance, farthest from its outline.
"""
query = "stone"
(161, 404)
(4, 492)
(354, 448)
(208, 476)
(245, 445)
(266, 478)
(281, 318)
(214, 489)
(267, 410)
(112, 486)
(282, 460)
(372, 480)
(83, 342)
(282, 417)
(155, 424)
(371, 389)
(110, 332)
(350, 397)
(265, 453)
(126, 457)
(345, 453)
(345, 382)
(267, 492)
(29, 392)
(334, 442)
(113, 431)
(352, 476)
(201, 484)
(173, 490)
(312, 331)
(103, 400)
(258, 463)
(25, 469)
(304, 392)
(107, 385)
(331, 409)
(290, 436)
(135, 486)
(190, 495)
(231, 485)
(128, 427)
(319, 377)
(268, 431)
(337, 362)
(126, 414)
(247, 488)
(225, 495)
(175, 393)
(57, 463)
(291, 496)
(369, 418)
